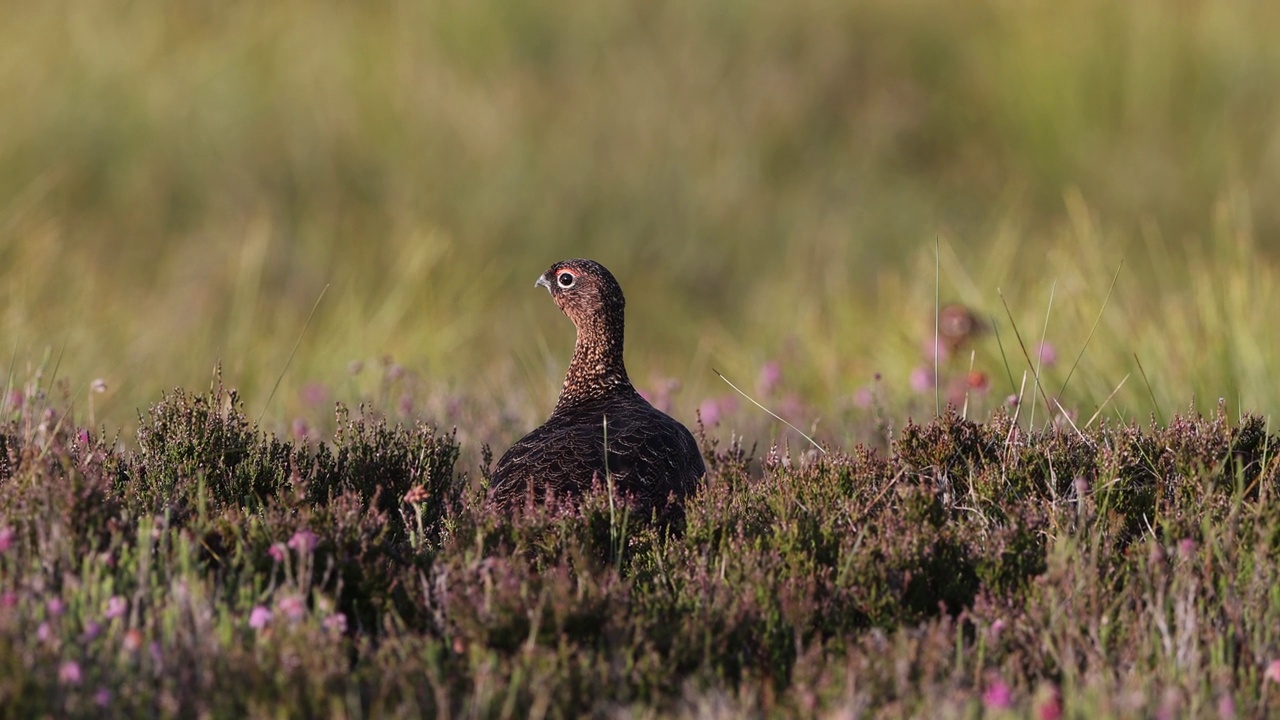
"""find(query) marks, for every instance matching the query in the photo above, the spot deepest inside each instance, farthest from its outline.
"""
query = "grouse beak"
(543, 282)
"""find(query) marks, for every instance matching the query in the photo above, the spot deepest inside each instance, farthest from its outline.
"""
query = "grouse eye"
(565, 280)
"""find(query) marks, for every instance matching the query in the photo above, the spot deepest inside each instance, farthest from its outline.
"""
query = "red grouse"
(652, 458)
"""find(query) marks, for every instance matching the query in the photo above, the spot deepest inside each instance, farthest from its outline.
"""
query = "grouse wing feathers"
(652, 457)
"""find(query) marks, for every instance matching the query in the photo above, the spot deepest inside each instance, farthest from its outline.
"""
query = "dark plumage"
(652, 457)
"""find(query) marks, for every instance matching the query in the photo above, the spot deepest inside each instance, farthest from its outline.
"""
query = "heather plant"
(973, 568)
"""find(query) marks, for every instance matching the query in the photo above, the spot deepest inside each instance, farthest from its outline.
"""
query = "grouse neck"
(596, 369)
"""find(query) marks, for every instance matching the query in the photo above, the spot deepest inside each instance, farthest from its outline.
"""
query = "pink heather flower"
(304, 541)
(92, 630)
(863, 398)
(15, 399)
(55, 607)
(116, 606)
(997, 696)
(98, 385)
(406, 404)
(6, 539)
(1226, 707)
(1050, 704)
(69, 673)
(42, 632)
(300, 429)
(935, 350)
(1186, 547)
(314, 394)
(997, 628)
(709, 411)
(259, 617)
(8, 599)
(292, 607)
(922, 379)
(102, 698)
(277, 551)
(336, 623)
(1011, 401)
(1048, 354)
(154, 649)
(1273, 672)
(770, 376)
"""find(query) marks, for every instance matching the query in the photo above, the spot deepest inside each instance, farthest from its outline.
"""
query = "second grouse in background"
(652, 458)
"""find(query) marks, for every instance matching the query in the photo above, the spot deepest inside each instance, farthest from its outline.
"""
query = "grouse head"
(590, 296)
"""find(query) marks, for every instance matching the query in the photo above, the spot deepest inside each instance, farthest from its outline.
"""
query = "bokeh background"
(775, 185)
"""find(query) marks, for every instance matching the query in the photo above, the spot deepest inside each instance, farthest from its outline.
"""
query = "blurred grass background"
(179, 182)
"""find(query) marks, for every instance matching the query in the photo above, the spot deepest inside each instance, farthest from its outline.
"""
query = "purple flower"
(863, 398)
(16, 399)
(102, 698)
(997, 628)
(1226, 707)
(922, 379)
(1273, 672)
(8, 599)
(935, 350)
(259, 617)
(709, 411)
(1186, 547)
(304, 541)
(1048, 354)
(92, 630)
(770, 376)
(313, 394)
(1049, 706)
(1011, 401)
(98, 385)
(6, 539)
(69, 673)
(997, 696)
(292, 607)
(336, 623)
(300, 429)
(55, 607)
(116, 606)
(42, 632)
(277, 552)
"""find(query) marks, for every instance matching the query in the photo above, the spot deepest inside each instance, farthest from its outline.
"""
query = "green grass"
(180, 184)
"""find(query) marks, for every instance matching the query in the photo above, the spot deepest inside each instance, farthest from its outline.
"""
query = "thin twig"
(1096, 320)
(1104, 402)
(1027, 355)
(292, 352)
(775, 415)
(937, 322)
(1150, 391)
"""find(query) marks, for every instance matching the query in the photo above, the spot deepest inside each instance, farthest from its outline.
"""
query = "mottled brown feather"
(652, 458)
